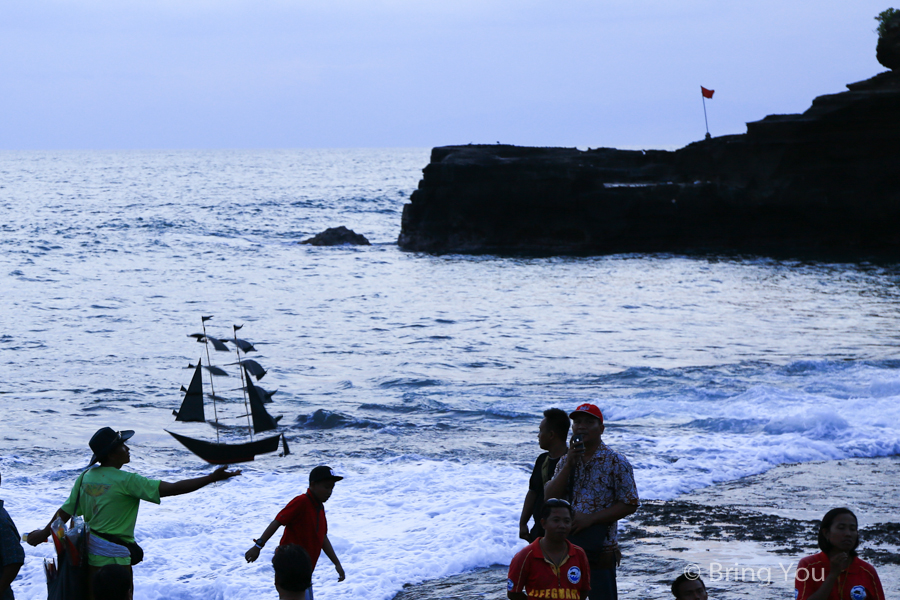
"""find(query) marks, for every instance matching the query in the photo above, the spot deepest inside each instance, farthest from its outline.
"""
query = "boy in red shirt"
(304, 522)
(551, 566)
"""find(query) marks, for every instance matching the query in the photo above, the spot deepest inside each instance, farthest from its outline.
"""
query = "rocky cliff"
(822, 181)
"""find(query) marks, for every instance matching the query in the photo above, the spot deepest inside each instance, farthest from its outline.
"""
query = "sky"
(197, 74)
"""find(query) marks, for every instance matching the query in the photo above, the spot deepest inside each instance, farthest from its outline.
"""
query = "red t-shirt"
(858, 582)
(530, 572)
(304, 523)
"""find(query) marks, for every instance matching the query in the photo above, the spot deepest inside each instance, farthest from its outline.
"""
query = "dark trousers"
(603, 585)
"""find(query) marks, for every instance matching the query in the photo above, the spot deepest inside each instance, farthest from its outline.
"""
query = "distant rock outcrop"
(337, 236)
(822, 181)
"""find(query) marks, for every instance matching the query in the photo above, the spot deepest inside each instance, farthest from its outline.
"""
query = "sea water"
(421, 379)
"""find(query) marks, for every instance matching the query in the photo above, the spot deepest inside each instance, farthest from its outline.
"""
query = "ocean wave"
(326, 419)
(818, 424)
(410, 382)
(391, 408)
(724, 425)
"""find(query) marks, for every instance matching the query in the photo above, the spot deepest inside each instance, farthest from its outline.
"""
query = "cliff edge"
(822, 181)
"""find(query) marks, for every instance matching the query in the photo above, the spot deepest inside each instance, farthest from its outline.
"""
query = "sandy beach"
(744, 536)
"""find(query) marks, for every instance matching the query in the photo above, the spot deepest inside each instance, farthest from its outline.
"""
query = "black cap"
(323, 473)
(106, 440)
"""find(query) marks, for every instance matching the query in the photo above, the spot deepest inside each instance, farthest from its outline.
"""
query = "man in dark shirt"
(552, 435)
(12, 556)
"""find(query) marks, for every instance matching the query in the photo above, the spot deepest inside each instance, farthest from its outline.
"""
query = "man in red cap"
(599, 482)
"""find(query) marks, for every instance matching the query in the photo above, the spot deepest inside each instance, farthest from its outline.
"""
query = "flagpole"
(704, 116)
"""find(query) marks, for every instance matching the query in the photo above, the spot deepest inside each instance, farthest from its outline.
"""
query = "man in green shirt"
(109, 499)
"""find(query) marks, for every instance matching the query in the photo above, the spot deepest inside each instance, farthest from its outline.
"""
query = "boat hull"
(226, 454)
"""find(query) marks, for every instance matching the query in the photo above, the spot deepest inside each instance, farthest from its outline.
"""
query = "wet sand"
(745, 536)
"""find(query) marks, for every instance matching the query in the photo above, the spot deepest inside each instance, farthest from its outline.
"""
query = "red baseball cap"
(590, 409)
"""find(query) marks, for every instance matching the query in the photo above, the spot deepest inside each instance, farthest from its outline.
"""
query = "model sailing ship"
(192, 407)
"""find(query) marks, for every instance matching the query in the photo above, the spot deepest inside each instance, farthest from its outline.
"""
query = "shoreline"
(746, 536)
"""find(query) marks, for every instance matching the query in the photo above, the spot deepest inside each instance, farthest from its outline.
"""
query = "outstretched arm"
(39, 536)
(329, 552)
(253, 553)
(186, 486)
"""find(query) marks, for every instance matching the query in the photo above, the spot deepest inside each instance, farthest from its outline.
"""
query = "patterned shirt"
(11, 552)
(597, 484)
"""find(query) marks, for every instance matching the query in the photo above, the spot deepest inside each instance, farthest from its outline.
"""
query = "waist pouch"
(137, 553)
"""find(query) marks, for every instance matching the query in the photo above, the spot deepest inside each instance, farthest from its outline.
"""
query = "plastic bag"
(67, 578)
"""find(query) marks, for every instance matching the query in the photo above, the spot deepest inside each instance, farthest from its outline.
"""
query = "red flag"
(706, 93)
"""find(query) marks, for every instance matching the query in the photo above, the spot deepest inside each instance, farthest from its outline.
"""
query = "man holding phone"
(600, 485)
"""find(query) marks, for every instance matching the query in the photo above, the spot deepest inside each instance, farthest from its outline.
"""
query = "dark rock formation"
(822, 181)
(337, 236)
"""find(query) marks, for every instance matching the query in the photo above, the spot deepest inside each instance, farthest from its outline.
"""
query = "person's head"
(553, 428)
(321, 482)
(688, 588)
(109, 447)
(839, 531)
(293, 571)
(113, 582)
(587, 421)
(556, 519)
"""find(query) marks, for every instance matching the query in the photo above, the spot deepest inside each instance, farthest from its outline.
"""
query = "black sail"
(262, 420)
(253, 368)
(192, 405)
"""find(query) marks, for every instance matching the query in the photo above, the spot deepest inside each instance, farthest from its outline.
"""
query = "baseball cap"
(590, 409)
(323, 472)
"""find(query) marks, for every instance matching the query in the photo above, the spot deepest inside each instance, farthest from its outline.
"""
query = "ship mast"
(212, 386)
(237, 348)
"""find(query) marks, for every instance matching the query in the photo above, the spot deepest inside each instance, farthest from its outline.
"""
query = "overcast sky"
(121, 74)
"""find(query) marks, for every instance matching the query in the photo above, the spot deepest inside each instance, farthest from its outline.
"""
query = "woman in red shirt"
(837, 573)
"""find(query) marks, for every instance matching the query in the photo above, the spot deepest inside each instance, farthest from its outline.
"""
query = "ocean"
(421, 379)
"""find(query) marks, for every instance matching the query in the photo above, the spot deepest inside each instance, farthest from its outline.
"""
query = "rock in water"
(337, 236)
(821, 182)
